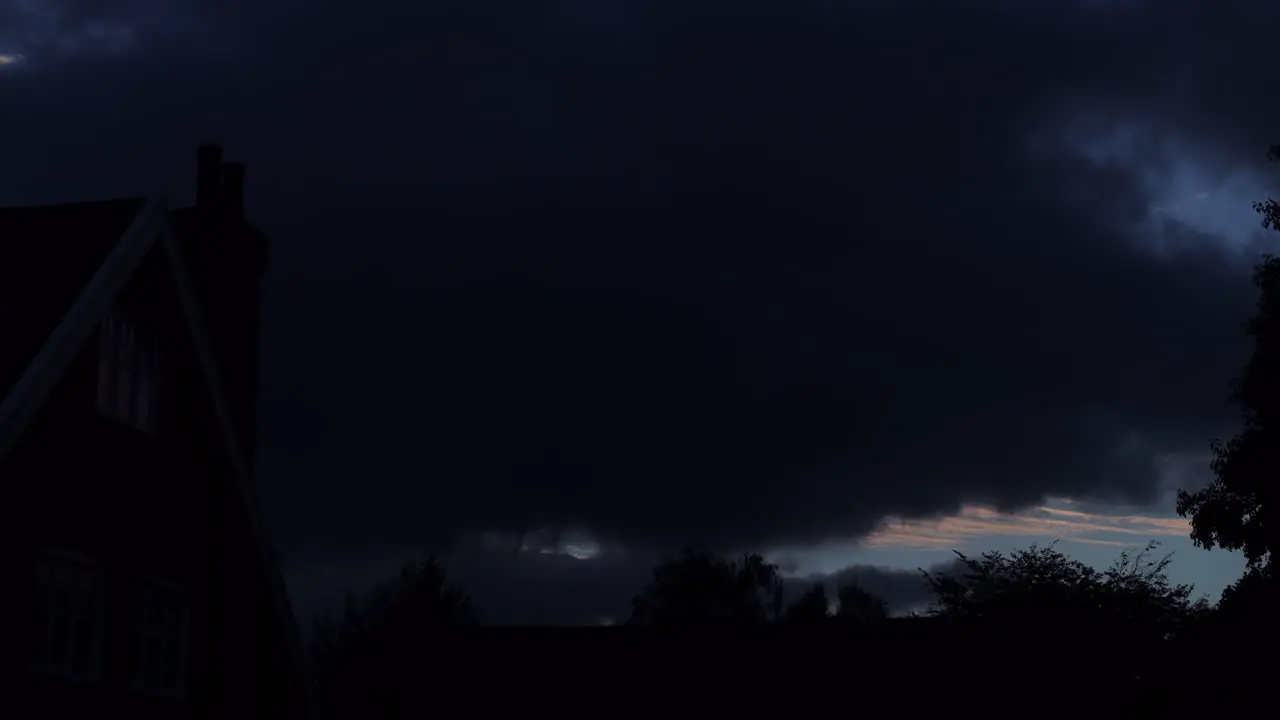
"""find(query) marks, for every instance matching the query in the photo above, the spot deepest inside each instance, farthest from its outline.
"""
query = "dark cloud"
(729, 274)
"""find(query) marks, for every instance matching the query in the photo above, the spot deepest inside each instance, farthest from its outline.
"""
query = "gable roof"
(100, 246)
(48, 254)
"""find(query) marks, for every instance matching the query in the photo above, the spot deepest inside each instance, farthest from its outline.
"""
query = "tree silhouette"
(859, 605)
(363, 661)
(1255, 594)
(1238, 510)
(1041, 586)
(1269, 209)
(811, 609)
(1047, 612)
(700, 588)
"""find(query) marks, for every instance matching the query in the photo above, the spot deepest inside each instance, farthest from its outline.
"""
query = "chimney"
(233, 191)
(208, 176)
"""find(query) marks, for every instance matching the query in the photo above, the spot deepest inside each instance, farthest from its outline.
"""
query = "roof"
(61, 269)
(48, 254)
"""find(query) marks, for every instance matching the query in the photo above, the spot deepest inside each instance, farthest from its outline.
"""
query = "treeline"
(1035, 617)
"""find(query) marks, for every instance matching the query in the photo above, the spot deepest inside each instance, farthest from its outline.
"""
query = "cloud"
(739, 275)
(56, 30)
(1062, 522)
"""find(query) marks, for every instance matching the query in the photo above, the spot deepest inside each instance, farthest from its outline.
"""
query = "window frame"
(128, 386)
(144, 628)
(50, 559)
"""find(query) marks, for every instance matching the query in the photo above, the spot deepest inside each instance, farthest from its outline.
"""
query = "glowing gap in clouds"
(1049, 521)
(9, 60)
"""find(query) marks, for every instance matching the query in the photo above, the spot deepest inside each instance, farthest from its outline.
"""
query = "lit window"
(128, 373)
(161, 639)
(68, 605)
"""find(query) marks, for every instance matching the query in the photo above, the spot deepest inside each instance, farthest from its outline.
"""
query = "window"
(128, 373)
(164, 617)
(69, 618)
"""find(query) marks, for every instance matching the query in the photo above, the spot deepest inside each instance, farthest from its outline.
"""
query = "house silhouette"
(128, 386)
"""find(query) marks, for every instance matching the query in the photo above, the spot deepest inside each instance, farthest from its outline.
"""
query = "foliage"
(810, 609)
(1042, 586)
(1255, 596)
(1237, 510)
(701, 588)
(358, 658)
(859, 605)
(1269, 209)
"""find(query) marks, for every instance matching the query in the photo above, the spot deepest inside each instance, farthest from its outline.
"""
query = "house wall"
(141, 505)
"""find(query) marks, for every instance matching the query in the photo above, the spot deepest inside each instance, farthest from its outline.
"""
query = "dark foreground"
(916, 664)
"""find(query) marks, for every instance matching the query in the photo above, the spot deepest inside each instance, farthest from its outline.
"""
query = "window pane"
(40, 622)
(173, 613)
(151, 660)
(169, 680)
(154, 388)
(108, 364)
(140, 653)
(146, 380)
(142, 406)
(105, 368)
(123, 371)
(61, 600)
(58, 641)
(155, 618)
(82, 643)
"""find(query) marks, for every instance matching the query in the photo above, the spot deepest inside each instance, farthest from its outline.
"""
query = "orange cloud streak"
(1043, 521)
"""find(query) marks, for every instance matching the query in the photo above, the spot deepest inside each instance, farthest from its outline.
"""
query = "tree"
(1238, 510)
(700, 588)
(1269, 209)
(810, 609)
(859, 605)
(1042, 586)
(364, 661)
(1043, 612)
(1255, 595)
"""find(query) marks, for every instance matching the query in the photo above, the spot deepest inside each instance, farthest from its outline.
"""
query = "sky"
(851, 284)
